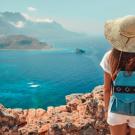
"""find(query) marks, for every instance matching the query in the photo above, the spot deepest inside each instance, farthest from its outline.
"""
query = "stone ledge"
(82, 115)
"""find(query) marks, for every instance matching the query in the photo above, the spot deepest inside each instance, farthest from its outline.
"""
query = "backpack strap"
(112, 87)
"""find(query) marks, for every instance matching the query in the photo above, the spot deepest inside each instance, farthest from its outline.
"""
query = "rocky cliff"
(82, 115)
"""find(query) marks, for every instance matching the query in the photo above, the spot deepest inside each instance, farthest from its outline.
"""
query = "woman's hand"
(105, 113)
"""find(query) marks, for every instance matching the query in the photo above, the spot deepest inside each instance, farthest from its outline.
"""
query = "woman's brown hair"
(121, 61)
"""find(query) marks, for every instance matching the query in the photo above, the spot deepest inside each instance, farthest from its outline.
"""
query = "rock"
(44, 129)
(50, 110)
(1, 107)
(69, 98)
(88, 129)
(40, 113)
(60, 109)
(82, 115)
(74, 103)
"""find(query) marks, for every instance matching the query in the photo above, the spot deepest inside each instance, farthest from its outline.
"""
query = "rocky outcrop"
(82, 115)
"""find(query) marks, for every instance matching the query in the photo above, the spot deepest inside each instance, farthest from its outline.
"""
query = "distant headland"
(22, 42)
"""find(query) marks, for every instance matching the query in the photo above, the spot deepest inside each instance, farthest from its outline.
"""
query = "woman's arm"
(107, 89)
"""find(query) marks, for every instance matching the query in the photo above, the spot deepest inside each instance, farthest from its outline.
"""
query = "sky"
(84, 16)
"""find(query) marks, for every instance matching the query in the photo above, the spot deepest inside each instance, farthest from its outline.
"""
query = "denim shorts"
(117, 119)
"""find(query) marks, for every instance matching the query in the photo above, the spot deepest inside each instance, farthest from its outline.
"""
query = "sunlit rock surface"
(82, 115)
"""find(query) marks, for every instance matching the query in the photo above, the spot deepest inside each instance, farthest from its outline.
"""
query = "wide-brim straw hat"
(121, 33)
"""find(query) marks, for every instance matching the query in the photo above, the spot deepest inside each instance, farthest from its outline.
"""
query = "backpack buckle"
(118, 89)
(124, 89)
(127, 89)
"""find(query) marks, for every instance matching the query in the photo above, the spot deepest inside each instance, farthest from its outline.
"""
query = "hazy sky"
(77, 15)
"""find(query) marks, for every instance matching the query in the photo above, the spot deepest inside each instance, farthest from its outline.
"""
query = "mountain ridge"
(12, 23)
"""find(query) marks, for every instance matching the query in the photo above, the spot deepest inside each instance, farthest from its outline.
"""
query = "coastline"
(30, 50)
(82, 115)
(27, 49)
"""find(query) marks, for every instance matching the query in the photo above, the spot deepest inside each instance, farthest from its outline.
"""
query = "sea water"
(37, 79)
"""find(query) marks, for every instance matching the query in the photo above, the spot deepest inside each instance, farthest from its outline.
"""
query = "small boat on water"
(79, 51)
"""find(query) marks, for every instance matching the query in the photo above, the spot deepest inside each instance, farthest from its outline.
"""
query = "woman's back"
(119, 75)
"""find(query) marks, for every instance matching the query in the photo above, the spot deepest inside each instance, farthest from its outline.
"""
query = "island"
(22, 42)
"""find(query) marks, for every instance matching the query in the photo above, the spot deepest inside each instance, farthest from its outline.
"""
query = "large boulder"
(82, 115)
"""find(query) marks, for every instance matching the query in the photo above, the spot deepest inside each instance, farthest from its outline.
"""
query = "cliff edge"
(82, 115)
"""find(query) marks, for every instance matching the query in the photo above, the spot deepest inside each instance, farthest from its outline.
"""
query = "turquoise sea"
(43, 78)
